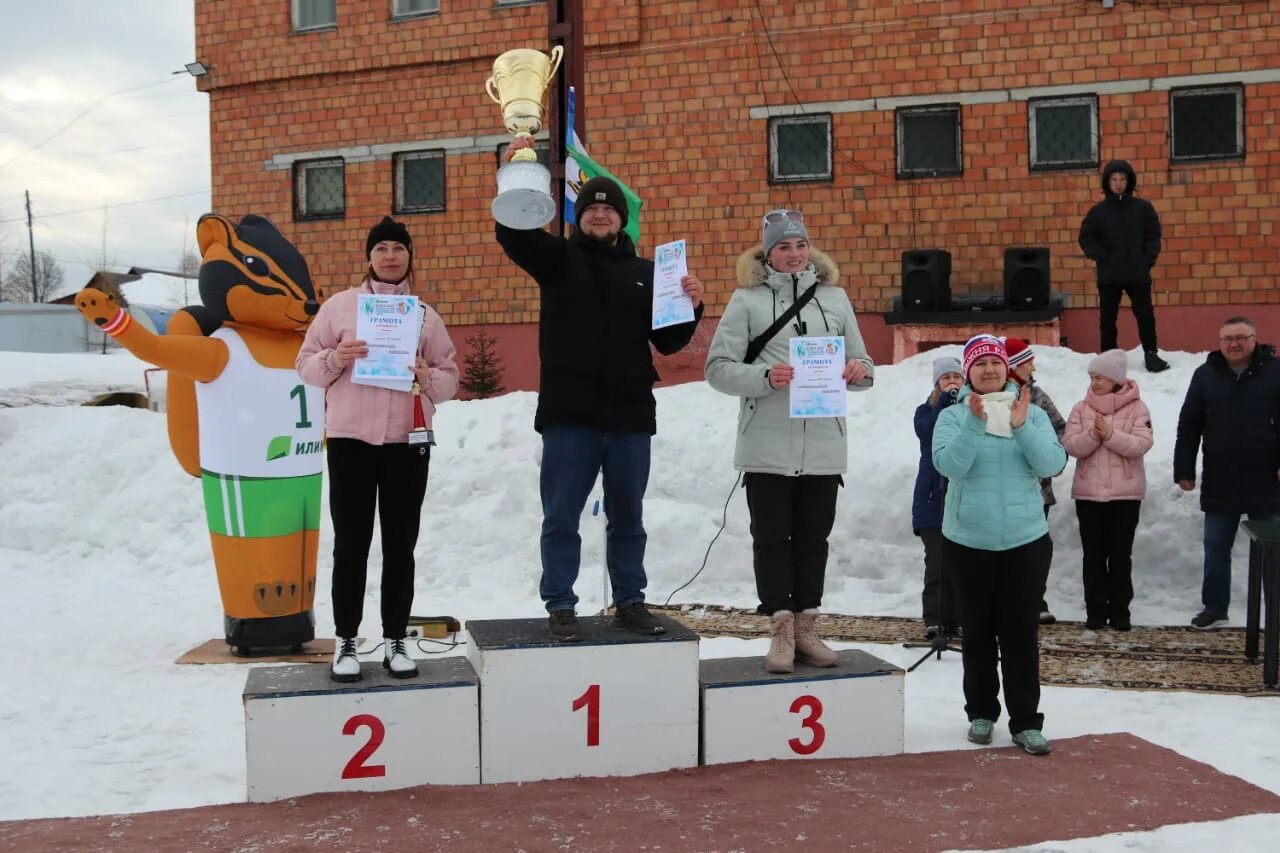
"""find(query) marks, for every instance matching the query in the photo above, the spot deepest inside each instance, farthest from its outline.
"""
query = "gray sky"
(90, 115)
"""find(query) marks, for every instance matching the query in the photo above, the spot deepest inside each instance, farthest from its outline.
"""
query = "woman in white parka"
(791, 467)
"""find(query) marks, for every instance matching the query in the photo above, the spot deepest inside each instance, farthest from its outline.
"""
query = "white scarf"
(999, 409)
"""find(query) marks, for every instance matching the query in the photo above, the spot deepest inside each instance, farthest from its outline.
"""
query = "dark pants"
(571, 459)
(1106, 537)
(394, 478)
(1044, 602)
(791, 518)
(998, 592)
(1219, 536)
(1143, 312)
(940, 601)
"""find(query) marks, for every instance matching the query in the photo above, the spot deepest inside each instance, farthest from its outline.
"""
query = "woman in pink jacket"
(369, 452)
(1108, 433)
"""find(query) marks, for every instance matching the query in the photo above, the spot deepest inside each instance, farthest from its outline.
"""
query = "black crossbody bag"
(756, 345)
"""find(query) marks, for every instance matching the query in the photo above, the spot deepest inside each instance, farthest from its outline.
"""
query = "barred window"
(318, 190)
(419, 181)
(408, 8)
(800, 148)
(928, 141)
(542, 149)
(1206, 124)
(1063, 133)
(314, 14)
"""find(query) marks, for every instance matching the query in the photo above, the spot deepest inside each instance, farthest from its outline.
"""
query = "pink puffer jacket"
(1109, 470)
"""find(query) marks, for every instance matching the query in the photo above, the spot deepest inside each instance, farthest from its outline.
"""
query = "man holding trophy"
(596, 410)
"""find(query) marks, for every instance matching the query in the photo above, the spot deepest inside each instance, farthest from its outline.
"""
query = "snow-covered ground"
(104, 555)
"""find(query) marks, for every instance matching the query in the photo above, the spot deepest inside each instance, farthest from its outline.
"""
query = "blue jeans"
(571, 458)
(1219, 536)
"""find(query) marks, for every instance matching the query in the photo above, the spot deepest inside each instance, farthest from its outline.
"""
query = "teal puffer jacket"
(993, 497)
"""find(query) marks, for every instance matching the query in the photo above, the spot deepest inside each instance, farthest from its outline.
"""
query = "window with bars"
(541, 149)
(928, 141)
(800, 148)
(410, 8)
(419, 181)
(318, 190)
(1206, 124)
(314, 14)
(1063, 133)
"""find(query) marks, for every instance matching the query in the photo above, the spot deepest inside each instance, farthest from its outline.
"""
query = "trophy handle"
(488, 87)
(557, 54)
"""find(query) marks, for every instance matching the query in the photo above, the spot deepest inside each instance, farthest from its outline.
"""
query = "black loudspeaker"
(926, 280)
(1026, 278)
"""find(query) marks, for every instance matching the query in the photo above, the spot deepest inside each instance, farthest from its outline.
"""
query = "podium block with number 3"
(305, 734)
(850, 710)
(613, 704)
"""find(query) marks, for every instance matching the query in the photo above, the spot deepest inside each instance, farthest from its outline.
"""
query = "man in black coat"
(1233, 408)
(1121, 234)
(596, 409)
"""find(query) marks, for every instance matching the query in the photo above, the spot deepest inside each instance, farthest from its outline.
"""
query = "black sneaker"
(1047, 618)
(1095, 624)
(1206, 621)
(1122, 623)
(564, 626)
(1155, 363)
(637, 619)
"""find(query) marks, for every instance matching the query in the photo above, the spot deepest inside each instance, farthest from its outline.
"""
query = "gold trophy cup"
(520, 78)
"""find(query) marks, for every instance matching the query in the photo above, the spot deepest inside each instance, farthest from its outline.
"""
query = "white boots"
(346, 666)
(810, 649)
(782, 643)
(396, 661)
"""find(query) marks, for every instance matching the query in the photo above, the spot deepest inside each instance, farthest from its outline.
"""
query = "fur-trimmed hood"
(752, 271)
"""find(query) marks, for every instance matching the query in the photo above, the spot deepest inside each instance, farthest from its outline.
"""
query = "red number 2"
(356, 767)
(814, 706)
(591, 701)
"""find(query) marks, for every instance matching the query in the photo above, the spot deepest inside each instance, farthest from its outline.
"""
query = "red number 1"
(814, 706)
(591, 701)
(356, 767)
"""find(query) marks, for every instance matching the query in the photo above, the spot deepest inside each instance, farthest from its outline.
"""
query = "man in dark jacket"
(1121, 234)
(1233, 408)
(596, 409)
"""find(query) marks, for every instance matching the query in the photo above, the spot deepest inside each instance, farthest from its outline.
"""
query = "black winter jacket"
(1238, 421)
(595, 329)
(1121, 233)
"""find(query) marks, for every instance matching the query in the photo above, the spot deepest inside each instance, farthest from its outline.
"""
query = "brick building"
(966, 125)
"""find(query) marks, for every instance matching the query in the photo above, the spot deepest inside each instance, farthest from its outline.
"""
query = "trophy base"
(524, 199)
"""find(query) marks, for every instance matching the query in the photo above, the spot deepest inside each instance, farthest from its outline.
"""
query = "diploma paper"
(817, 389)
(670, 303)
(389, 326)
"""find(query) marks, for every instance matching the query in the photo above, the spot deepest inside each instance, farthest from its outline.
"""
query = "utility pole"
(31, 244)
(566, 27)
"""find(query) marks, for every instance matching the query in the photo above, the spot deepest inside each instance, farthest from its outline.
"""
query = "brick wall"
(670, 86)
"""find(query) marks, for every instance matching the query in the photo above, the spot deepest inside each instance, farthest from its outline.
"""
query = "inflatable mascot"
(242, 421)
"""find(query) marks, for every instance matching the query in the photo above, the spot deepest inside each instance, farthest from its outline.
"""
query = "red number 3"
(814, 706)
(356, 767)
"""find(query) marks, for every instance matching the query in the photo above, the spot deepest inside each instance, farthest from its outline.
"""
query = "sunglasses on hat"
(776, 216)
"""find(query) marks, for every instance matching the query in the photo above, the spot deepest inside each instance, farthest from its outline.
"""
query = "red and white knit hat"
(983, 345)
(1018, 350)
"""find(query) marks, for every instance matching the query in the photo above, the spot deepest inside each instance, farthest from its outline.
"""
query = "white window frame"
(300, 169)
(1236, 90)
(775, 173)
(398, 11)
(297, 14)
(1090, 101)
(397, 179)
(900, 141)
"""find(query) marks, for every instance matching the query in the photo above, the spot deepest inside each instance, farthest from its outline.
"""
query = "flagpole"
(565, 28)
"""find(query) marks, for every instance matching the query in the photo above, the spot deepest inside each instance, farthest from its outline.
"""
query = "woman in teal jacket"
(993, 448)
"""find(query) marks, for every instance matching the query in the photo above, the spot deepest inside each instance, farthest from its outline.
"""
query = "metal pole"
(31, 245)
(565, 28)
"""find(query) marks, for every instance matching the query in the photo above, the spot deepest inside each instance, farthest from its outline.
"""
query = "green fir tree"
(482, 368)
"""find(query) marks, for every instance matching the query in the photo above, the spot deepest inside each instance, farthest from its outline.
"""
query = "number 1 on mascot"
(242, 421)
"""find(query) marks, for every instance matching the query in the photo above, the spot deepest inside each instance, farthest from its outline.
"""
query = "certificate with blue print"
(671, 305)
(818, 389)
(389, 325)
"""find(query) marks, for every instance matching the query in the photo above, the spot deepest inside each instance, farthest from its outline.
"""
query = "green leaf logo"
(278, 447)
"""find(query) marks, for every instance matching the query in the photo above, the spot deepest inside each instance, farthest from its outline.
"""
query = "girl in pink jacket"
(1108, 433)
(373, 459)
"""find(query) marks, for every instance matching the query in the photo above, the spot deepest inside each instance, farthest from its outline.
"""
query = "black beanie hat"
(600, 190)
(387, 229)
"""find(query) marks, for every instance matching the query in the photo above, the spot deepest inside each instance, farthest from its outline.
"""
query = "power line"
(99, 207)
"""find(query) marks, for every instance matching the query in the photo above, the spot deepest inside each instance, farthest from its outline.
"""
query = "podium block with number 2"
(851, 710)
(613, 704)
(305, 734)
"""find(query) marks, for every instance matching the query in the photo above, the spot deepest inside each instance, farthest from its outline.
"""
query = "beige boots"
(782, 643)
(791, 639)
(810, 649)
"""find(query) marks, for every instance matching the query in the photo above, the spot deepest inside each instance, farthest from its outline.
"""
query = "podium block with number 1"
(612, 704)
